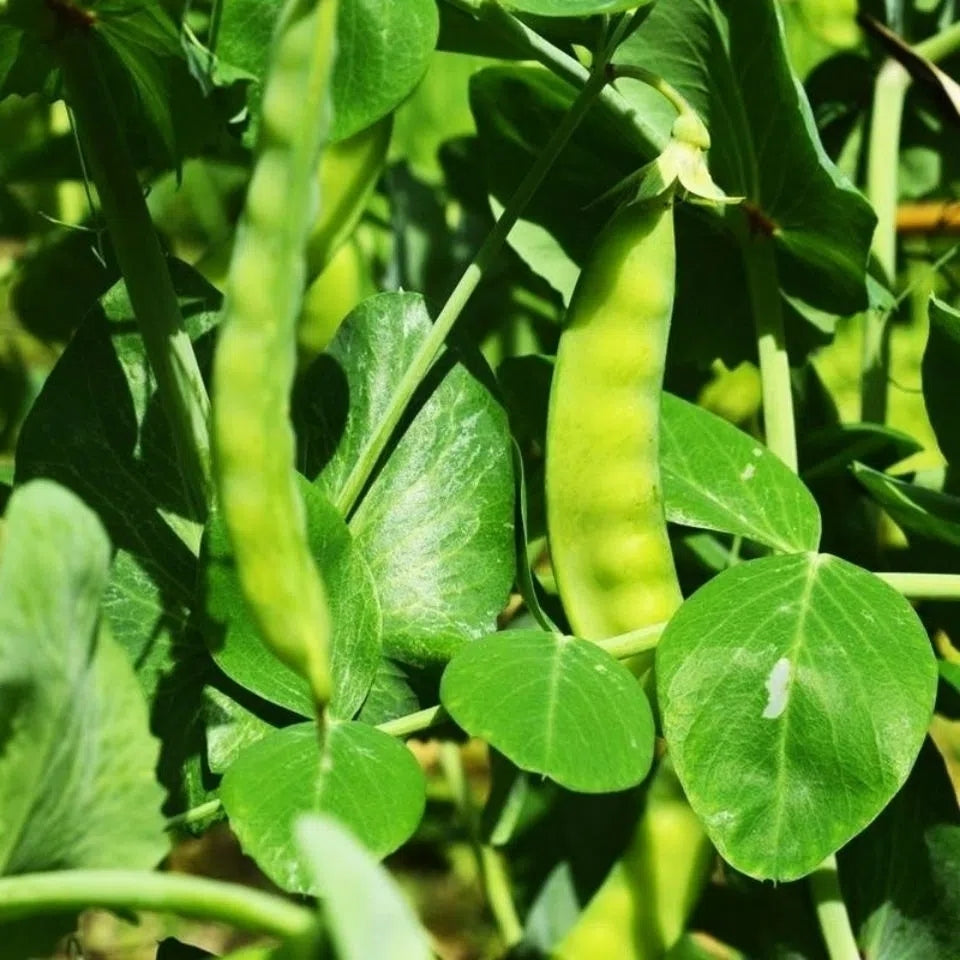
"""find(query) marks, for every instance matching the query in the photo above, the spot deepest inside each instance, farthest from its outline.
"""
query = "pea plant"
(562, 381)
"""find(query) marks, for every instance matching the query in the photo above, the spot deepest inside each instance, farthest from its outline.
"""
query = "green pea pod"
(344, 282)
(609, 545)
(256, 354)
(347, 173)
(605, 519)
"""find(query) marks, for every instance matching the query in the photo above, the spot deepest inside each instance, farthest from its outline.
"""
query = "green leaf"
(795, 693)
(729, 60)
(719, 478)
(382, 52)
(97, 428)
(364, 910)
(941, 361)
(354, 607)
(436, 525)
(554, 705)
(829, 451)
(365, 778)
(230, 728)
(899, 877)
(917, 509)
(76, 757)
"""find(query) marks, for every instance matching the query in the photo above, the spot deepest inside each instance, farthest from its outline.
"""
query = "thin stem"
(832, 913)
(621, 647)
(654, 80)
(198, 814)
(628, 645)
(493, 874)
(187, 896)
(414, 722)
(890, 91)
(764, 287)
(924, 586)
(433, 343)
(940, 45)
(180, 387)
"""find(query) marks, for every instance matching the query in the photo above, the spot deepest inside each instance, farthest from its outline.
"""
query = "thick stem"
(924, 586)
(142, 263)
(764, 288)
(890, 91)
(832, 913)
(187, 896)
(490, 249)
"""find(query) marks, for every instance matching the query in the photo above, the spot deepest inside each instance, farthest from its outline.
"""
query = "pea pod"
(256, 354)
(609, 545)
(344, 282)
(347, 173)
(607, 531)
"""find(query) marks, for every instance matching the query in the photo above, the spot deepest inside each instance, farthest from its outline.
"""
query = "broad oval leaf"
(365, 911)
(383, 50)
(795, 693)
(719, 478)
(554, 705)
(436, 524)
(77, 786)
(918, 510)
(365, 778)
(354, 607)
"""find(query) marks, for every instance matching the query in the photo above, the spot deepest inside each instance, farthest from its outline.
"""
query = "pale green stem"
(832, 913)
(889, 95)
(890, 91)
(197, 814)
(433, 343)
(628, 645)
(492, 870)
(414, 722)
(673, 96)
(940, 45)
(66, 891)
(764, 287)
(924, 586)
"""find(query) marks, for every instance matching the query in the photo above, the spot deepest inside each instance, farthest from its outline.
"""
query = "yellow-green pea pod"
(642, 908)
(605, 519)
(255, 361)
(344, 282)
(609, 545)
(347, 173)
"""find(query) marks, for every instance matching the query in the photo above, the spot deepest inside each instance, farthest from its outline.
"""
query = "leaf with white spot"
(720, 478)
(554, 705)
(795, 693)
